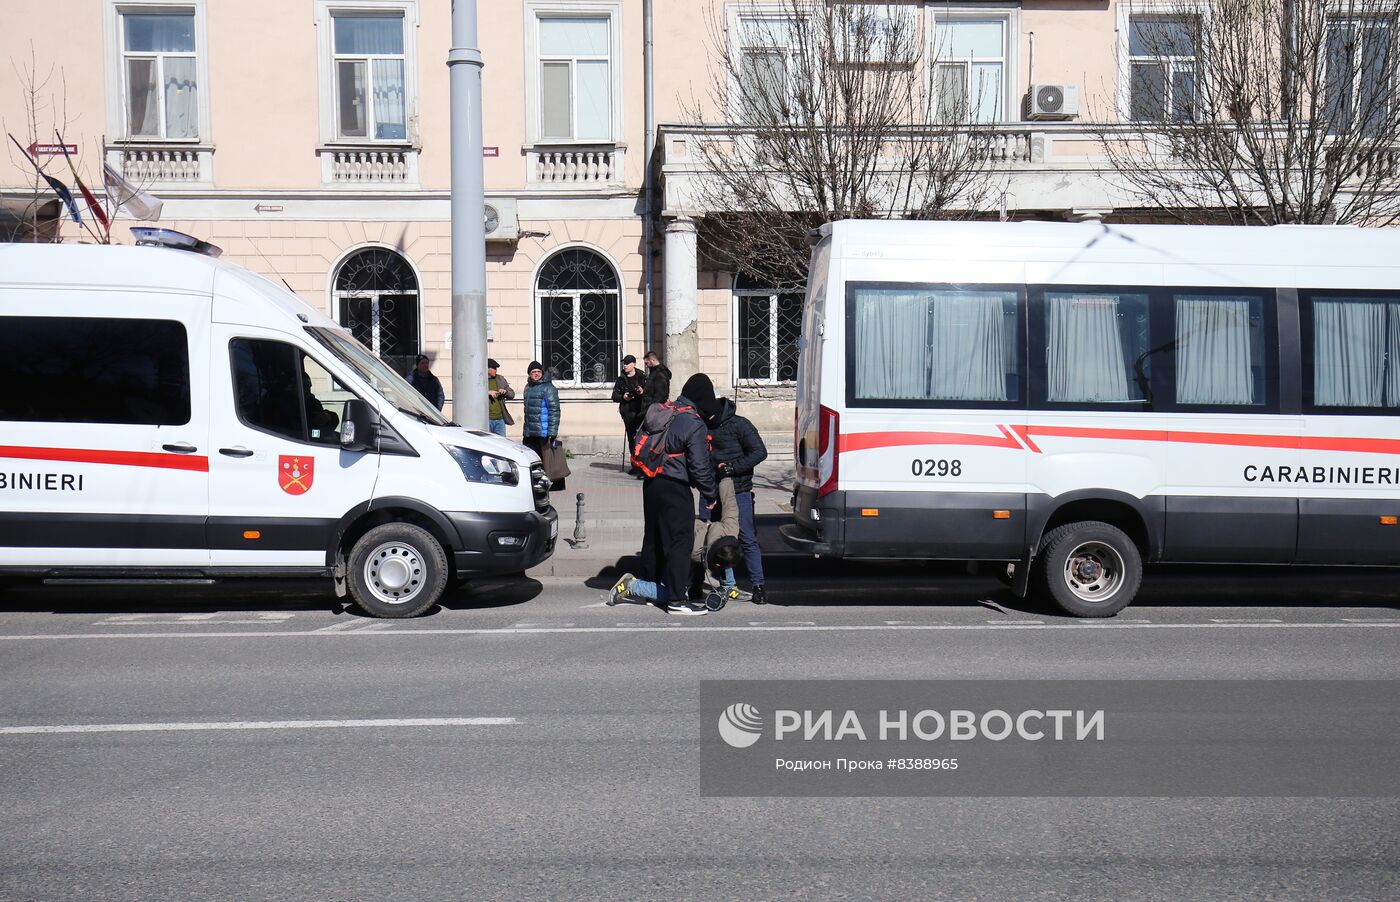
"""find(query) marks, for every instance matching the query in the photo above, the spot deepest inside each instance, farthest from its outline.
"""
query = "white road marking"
(145, 619)
(897, 622)
(1016, 622)
(337, 627)
(782, 623)
(520, 626)
(374, 625)
(662, 627)
(1245, 620)
(1371, 619)
(262, 725)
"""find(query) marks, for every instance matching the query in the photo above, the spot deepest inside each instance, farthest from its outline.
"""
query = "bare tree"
(37, 214)
(1263, 111)
(832, 119)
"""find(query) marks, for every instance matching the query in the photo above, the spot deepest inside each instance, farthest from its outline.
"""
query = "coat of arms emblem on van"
(295, 473)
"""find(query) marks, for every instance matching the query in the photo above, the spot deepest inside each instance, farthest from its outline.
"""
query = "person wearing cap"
(668, 520)
(627, 395)
(499, 391)
(428, 386)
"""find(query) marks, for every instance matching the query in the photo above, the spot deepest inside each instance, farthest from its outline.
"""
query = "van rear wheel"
(1088, 569)
(397, 570)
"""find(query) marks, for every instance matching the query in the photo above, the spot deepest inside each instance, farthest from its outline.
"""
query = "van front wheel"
(1089, 569)
(397, 570)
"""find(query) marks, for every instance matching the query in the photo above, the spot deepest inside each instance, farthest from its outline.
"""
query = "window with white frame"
(767, 325)
(1161, 67)
(970, 68)
(370, 64)
(575, 78)
(159, 72)
(577, 292)
(874, 34)
(1360, 73)
(765, 80)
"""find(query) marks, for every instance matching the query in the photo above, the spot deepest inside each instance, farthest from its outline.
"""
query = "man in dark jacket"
(738, 449)
(658, 382)
(422, 378)
(668, 507)
(627, 395)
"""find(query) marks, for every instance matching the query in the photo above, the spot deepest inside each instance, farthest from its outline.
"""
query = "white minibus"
(168, 416)
(1071, 400)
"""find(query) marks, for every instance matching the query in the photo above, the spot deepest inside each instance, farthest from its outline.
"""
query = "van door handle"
(180, 448)
(240, 451)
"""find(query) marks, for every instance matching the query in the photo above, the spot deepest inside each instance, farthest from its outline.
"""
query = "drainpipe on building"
(468, 222)
(648, 222)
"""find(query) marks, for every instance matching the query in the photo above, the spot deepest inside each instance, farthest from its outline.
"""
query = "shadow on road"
(236, 595)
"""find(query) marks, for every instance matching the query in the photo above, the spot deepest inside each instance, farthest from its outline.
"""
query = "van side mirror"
(359, 428)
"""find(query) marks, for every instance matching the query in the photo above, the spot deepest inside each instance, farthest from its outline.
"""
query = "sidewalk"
(612, 514)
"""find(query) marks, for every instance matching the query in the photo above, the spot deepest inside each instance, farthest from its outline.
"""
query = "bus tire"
(1088, 569)
(396, 570)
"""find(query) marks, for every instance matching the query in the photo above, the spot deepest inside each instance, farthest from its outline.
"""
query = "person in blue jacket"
(541, 410)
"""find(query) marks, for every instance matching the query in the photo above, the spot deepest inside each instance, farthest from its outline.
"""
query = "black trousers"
(668, 515)
(631, 427)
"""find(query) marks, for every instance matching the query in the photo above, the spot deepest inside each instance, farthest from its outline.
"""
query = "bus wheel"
(1089, 569)
(396, 570)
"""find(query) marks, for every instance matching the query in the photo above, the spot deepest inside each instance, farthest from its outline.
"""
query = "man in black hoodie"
(738, 449)
(668, 507)
(658, 384)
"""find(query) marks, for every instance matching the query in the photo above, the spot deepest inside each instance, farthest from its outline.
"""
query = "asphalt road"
(562, 757)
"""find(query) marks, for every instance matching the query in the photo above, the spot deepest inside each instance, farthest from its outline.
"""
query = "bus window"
(1097, 347)
(1355, 352)
(926, 343)
(1220, 349)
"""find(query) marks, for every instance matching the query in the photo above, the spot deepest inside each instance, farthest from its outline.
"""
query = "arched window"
(767, 324)
(376, 298)
(577, 293)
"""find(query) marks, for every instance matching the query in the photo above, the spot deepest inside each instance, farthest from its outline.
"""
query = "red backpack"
(651, 449)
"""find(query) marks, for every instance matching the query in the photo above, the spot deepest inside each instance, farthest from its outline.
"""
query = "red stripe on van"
(115, 458)
(864, 441)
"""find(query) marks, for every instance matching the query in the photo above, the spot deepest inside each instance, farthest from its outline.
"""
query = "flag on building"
(64, 195)
(93, 206)
(140, 204)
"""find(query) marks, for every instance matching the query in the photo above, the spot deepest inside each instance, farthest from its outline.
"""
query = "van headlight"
(478, 466)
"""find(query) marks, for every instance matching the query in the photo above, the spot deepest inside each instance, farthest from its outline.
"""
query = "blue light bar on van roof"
(147, 236)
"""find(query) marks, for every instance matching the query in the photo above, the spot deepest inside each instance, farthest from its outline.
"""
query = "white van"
(1074, 399)
(166, 416)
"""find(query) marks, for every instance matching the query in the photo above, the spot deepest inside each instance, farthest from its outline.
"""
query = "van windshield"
(388, 383)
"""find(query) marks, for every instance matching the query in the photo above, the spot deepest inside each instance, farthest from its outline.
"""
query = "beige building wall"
(263, 194)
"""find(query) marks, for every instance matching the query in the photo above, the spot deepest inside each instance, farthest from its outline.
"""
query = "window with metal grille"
(767, 325)
(376, 294)
(578, 297)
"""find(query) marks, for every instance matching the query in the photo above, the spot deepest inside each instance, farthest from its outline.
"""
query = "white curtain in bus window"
(1095, 346)
(935, 345)
(1216, 339)
(1353, 340)
(891, 349)
(969, 344)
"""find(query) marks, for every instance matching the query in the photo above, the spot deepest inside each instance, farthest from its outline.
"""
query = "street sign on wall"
(51, 150)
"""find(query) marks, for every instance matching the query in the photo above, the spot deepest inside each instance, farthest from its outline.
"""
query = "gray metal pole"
(648, 219)
(469, 401)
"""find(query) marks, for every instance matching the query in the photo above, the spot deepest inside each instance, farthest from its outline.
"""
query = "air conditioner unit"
(1052, 102)
(501, 221)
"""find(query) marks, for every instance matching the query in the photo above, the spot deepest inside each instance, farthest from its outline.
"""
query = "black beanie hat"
(491, 364)
(701, 391)
(534, 365)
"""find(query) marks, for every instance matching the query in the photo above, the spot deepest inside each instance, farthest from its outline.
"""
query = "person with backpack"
(738, 450)
(673, 453)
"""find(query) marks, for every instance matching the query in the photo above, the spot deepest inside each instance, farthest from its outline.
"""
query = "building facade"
(309, 140)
